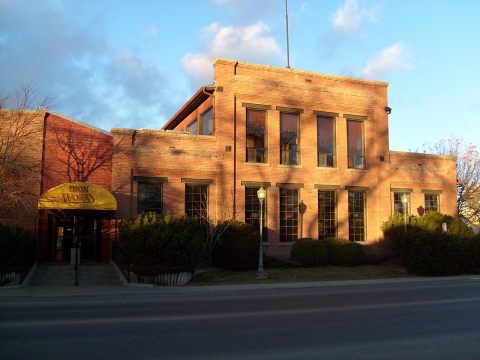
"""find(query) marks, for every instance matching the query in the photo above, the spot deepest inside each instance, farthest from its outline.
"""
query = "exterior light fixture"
(404, 200)
(261, 194)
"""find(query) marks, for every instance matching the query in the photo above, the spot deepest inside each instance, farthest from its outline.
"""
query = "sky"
(119, 63)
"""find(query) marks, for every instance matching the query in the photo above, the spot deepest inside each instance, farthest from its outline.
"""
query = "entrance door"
(88, 232)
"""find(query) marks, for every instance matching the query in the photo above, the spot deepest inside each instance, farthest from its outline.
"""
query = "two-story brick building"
(317, 143)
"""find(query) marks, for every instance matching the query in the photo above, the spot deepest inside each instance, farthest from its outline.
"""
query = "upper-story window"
(192, 128)
(326, 141)
(289, 139)
(256, 136)
(355, 146)
(207, 122)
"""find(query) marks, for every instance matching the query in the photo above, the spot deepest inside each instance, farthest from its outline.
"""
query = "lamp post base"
(262, 275)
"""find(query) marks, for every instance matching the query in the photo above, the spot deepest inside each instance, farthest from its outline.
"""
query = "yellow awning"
(77, 196)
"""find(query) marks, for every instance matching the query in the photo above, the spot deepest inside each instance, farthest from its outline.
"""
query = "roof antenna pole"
(286, 22)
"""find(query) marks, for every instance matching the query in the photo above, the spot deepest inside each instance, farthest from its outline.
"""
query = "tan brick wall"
(166, 154)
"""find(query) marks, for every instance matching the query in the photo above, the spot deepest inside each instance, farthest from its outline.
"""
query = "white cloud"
(348, 17)
(252, 43)
(388, 60)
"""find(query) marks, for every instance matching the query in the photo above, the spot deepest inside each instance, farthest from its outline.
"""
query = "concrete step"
(64, 275)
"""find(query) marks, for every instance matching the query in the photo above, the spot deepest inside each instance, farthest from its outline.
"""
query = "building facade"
(317, 143)
(65, 170)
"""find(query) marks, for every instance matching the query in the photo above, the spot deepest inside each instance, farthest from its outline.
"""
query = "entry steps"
(95, 274)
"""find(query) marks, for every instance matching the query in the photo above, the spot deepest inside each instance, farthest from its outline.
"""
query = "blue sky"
(134, 63)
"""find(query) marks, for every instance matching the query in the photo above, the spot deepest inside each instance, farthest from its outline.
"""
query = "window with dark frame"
(326, 141)
(252, 211)
(150, 197)
(207, 122)
(431, 202)
(192, 128)
(355, 144)
(356, 215)
(256, 151)
(398, 204)
(289, 214)
(289, 139)
(327, 214)
(196, 201)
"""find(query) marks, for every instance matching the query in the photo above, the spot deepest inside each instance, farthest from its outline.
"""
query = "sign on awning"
(77, 196)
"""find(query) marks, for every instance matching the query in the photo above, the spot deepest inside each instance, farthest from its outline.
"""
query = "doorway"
(89, 236)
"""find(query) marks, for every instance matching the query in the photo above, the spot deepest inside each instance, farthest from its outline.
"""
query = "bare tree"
(20, 130)
(81, 154)
(468, 175)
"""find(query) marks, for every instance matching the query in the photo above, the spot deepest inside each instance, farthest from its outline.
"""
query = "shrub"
(345, 253)
(308, 252)
(162, 245)
(238, 247)
(276, 263)
(17, 248)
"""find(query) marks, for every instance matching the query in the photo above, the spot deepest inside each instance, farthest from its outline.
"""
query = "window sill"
(257, 164)
(290, 166)
(328, 168)
(357, 170)
(285, 244)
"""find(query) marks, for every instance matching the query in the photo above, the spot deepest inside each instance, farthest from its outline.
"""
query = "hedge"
(345, 253)
(308, 252)
(17, 248)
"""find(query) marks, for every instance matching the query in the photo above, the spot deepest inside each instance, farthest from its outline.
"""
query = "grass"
(302, 274)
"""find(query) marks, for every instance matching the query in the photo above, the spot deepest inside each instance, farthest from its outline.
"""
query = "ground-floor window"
(356, 215)
(431, 202)
(150, 197)
(327, 217)
(196, 201)
(398, 204)
(252, 210)
(289, 214)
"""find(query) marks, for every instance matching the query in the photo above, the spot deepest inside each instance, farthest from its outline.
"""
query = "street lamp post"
(404, 200)
(261, 193)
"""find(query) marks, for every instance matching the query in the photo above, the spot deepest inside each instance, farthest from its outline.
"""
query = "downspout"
(235, 148)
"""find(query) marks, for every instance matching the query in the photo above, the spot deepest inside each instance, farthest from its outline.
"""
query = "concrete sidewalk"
(59, 292)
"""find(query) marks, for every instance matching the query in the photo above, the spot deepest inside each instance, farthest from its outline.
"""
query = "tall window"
(289, 214)
(256, 136)
(397, 203)
(327, 217)
(355, 146)
(356, 215)
(192, 128)
(252, 211)
(196, 201)
(289, 139)
(326, 141)
(431, 202)
(149, 197)
(207, 122)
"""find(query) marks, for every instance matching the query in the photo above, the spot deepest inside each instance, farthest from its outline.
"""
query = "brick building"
(318, 144)
(63, 153)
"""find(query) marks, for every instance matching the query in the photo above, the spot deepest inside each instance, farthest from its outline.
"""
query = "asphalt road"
(418, 320)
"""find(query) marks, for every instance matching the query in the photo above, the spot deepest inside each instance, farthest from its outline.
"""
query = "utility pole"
(286, 22)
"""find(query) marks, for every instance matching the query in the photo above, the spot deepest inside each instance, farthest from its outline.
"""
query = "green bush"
(162, 245)
(275, 263)
(238, 247)
(308, 252)
(17, 248)
(426, 250)
(345, 253)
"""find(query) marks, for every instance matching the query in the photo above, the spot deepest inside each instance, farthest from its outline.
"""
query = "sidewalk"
(63, 292)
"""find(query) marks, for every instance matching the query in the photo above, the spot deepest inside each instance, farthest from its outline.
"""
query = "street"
(411, 320)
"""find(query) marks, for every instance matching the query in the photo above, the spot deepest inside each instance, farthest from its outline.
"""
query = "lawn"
(301, 274)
